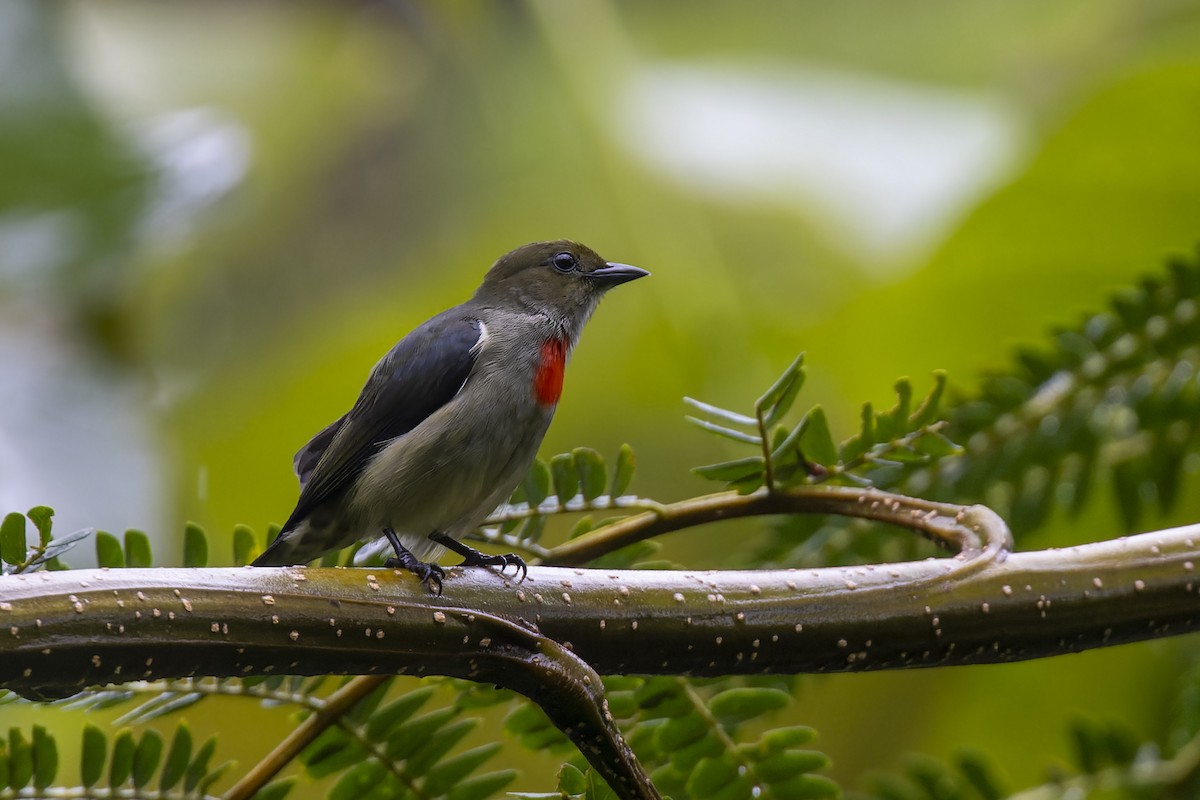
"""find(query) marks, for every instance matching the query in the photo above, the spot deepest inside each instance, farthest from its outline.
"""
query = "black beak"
(615, 274)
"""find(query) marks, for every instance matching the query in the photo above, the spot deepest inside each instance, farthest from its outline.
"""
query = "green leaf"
(782, 766)
(438, 744)
(178, 757)
(197, 771)
(329, 753)
(779, 391)
(585, 525)
(42, 518)
(137, 549)
(414, 734)
(108, 551)
(92, 755)
(146, 758)
(387, 719)
(448, 772)
(195, 546)
(571, 780)
(537, 483)
(723, 414)
(275, 790)
(590, 466)
(816, 441)
(598, 788)
(929, 409)
(728, 433)
(482, 787)
(244, 546)
(12, 538)
(732, 707)
(894, 423)
(685, 758)
(20, 759)
(977, 769)
(780, 739)
(627, 463)
(566, 479)
(861, 442)
(358, 781)
(711, 776)
(806, 787)
(785, 400)
(45, 758)
(735, 470)
(936, 445)
(681, 732)
(532, 529)
(121, 765)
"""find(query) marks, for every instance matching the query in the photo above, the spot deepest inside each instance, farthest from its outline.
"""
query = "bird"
(450, 419)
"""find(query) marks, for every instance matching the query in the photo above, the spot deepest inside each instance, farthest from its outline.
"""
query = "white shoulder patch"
(483, 337)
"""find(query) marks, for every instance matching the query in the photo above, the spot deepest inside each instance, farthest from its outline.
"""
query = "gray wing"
(417, 377)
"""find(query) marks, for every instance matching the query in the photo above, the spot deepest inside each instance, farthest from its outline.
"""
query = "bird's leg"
(429, 574)
(474, 558)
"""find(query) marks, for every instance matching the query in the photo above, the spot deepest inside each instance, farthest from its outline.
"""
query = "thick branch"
(68, 630)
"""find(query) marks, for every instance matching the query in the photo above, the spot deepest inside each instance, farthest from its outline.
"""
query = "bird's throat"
(548, 380)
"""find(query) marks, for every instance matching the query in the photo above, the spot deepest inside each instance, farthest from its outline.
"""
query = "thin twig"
(336, 706)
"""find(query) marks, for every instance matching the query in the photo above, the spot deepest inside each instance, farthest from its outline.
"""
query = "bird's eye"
(563, 262)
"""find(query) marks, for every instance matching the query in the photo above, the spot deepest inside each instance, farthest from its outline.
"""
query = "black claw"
(429, 574)
(478, 559)
(474, 558)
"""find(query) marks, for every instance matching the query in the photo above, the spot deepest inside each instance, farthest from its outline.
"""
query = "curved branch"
(966, 531)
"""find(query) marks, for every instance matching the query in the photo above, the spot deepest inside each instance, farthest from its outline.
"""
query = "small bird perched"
(450, 419)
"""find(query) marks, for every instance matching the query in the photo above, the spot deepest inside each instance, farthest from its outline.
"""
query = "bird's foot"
(475, 558)
(428, 573)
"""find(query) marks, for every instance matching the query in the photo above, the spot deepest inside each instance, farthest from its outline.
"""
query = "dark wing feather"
(420, 375)
(307, 457)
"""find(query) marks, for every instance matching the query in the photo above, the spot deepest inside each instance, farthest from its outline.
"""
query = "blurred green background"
(215, 217)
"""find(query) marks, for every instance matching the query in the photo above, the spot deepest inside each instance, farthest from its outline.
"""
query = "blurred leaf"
(537, 483)
(146, 757)
(723, 414)
(92, 754)
(108, 551)
(195, 546)
(816, 441)
(43, 519)
(623, 474)
(721, 430)
(178, 757)
(20, 759)
(244, 545)
(45, 758)
(137, 549)
(592, 477)
(566, 479)
(735, 470)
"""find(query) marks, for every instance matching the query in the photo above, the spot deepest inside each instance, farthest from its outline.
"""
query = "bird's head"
(563, 279)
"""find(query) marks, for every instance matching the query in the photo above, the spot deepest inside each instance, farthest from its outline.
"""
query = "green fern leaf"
(137, 549)
(195, 546)
(92, 755)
